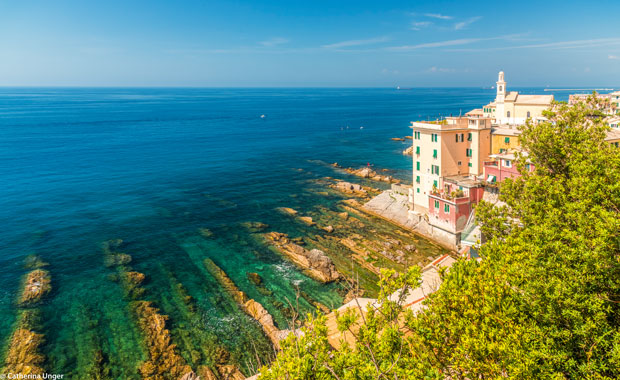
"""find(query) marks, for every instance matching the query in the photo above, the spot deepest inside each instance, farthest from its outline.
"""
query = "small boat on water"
(262, 116)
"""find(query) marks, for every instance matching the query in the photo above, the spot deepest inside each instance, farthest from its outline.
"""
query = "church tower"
(501, 88)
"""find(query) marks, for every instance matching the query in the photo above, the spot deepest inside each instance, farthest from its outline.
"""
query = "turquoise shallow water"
(152, 167)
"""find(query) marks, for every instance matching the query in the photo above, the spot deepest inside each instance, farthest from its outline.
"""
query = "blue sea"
(159, 167)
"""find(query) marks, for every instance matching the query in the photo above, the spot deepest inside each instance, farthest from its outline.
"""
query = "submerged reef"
(23, 355)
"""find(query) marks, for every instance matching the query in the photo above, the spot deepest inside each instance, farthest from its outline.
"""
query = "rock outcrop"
(408, 151)
(367, 172)
(36, 284)
(251, 307)
(314, 262)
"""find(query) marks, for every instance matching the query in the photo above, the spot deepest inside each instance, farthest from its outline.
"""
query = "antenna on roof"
(460, 112)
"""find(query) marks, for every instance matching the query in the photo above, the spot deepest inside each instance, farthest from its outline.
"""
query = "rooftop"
(505, 130)
(463, 180)
(514, 96)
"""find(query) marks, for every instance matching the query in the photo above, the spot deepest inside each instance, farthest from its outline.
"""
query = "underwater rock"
(255, 278)
(255, 226)
(307, 219)
(23, 356)
(34, 262)
(110, 246)
(328, 229)
(205, 232)
(36, 284)
(343, 215)
(287, 210)
(228, 284)
(298, 240)
(315, 262)
(164, 362)
(115, 259)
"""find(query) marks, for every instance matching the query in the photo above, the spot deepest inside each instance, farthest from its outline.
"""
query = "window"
(435, 185)
(416, 135)
(460, 137)
(446, 207)
(469, 164)
(506, 140)
(418, 190)
(417, 166)
(434, 153)
(417, 179)
(468, 152)
(502, 150)
(434, 137)
(528, 167)
(507, 163)
(528, 114)
(435, 169)
(436, 204)
(508, 114)
(417, 150)
(469, 136)
(459, 163)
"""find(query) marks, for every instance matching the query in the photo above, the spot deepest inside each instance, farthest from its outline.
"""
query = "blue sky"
(309, 43)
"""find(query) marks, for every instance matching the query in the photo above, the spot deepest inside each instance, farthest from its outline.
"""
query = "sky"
(272, 43)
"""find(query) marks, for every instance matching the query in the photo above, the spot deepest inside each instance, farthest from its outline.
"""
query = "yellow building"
(453, 146)
(504, 139)
(514, 108)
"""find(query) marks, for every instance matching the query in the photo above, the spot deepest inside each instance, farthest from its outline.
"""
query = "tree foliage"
(542, 303)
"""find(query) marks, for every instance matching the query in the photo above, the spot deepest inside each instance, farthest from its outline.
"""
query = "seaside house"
(455, 146)
(503, 166)
(504, 138)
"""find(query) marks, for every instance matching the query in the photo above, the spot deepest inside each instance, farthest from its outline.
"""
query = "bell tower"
(501, 88)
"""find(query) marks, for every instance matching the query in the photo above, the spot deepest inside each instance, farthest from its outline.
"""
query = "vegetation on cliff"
(544, 301)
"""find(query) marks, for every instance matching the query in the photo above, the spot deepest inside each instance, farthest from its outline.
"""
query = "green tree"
(542, 303)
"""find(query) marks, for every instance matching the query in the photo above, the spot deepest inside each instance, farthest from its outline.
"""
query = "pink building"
(503, 166)
(450, 206)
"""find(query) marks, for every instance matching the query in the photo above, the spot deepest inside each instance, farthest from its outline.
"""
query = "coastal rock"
(230, 372)
(398, 139)
(36, 284)
(23, 355)
(363, 172)
(258, 312)
(205, 373)
(287, 210)
(308, 220)
(190, 376)
(408, 151)
(315, 262)
(350, 188)
(343, 215)
(336, 165)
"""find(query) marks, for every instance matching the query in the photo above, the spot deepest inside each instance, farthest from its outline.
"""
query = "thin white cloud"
(418, 25)
(575, 44)
(436, 69)
(350, 43)
(457, 42)
(610, 56)
(466, 23)
(462, 41)
(274, 42)
(438, 16)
